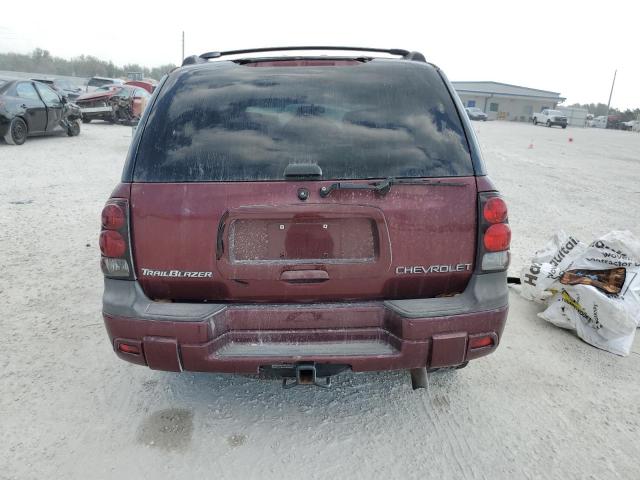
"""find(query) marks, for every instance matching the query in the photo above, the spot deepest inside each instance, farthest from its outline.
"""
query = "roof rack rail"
(407, 55)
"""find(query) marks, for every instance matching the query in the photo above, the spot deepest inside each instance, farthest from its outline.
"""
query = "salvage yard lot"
(545, 405)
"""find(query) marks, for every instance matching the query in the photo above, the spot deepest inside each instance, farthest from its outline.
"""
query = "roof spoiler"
(405, 54)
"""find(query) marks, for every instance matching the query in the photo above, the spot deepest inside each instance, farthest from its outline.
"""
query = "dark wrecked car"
(113, 103)
(297, 217)
(63, 86)
(31, 108)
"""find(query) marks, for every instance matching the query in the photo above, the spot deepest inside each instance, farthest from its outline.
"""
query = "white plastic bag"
(548, 264)
(607, 321)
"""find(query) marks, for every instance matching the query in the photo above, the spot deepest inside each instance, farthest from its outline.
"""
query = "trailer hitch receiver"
(306, 375)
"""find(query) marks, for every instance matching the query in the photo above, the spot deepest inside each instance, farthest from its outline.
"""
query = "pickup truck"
(550, 118)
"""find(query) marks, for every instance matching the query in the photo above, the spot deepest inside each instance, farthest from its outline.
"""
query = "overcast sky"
(567, 47)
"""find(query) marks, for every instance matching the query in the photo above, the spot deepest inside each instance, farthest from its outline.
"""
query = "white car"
(476, 114)
(632, 125)
(550, 118)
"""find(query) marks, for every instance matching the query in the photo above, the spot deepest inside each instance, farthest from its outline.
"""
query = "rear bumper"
(97, 116)
(368, 336)
(96, 110)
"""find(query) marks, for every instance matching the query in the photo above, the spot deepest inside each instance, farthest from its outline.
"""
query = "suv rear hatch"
(303, 182)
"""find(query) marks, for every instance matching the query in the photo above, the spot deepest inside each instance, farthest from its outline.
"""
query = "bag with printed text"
(594, 289)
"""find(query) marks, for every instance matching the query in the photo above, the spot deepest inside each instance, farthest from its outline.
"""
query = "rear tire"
(86, 119)
(17, 132)
(74, 128)
(564, 126)
(535, 121)
(548, 124)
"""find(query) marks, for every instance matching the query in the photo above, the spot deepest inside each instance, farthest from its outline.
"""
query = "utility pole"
(183, 48)
(610, 95)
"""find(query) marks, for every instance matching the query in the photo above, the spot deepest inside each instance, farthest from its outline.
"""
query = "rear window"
(66, 84)
(98, 82)
(123, 92)
(229, 122)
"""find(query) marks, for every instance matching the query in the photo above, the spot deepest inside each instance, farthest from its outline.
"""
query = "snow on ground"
(545, 405)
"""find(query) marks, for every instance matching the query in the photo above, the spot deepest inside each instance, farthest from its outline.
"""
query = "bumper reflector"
(126, 348)
(480, 342)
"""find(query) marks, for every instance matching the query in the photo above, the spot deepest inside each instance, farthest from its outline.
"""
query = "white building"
(501, 101)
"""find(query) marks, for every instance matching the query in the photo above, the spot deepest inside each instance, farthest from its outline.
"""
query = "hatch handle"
(304, 276)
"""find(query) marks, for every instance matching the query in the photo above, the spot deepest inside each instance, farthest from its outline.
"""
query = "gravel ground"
(545, 405)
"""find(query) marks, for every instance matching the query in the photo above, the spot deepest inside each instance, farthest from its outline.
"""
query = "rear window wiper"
(384, 186)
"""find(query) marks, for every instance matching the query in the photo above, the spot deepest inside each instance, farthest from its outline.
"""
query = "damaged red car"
(113, 103)
(298, 217)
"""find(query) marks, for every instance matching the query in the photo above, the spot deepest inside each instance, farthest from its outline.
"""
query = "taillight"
(113, 216)
(497, 237)
(116, 261)
(112, 244)
(495, 210)
(494, 233)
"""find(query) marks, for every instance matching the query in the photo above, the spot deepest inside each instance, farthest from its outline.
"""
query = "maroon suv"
(296, 217)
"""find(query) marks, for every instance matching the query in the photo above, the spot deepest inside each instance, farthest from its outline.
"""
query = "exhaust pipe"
(419, 378)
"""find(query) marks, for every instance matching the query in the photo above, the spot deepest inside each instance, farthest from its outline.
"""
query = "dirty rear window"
(98, 82)
(229, 122)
